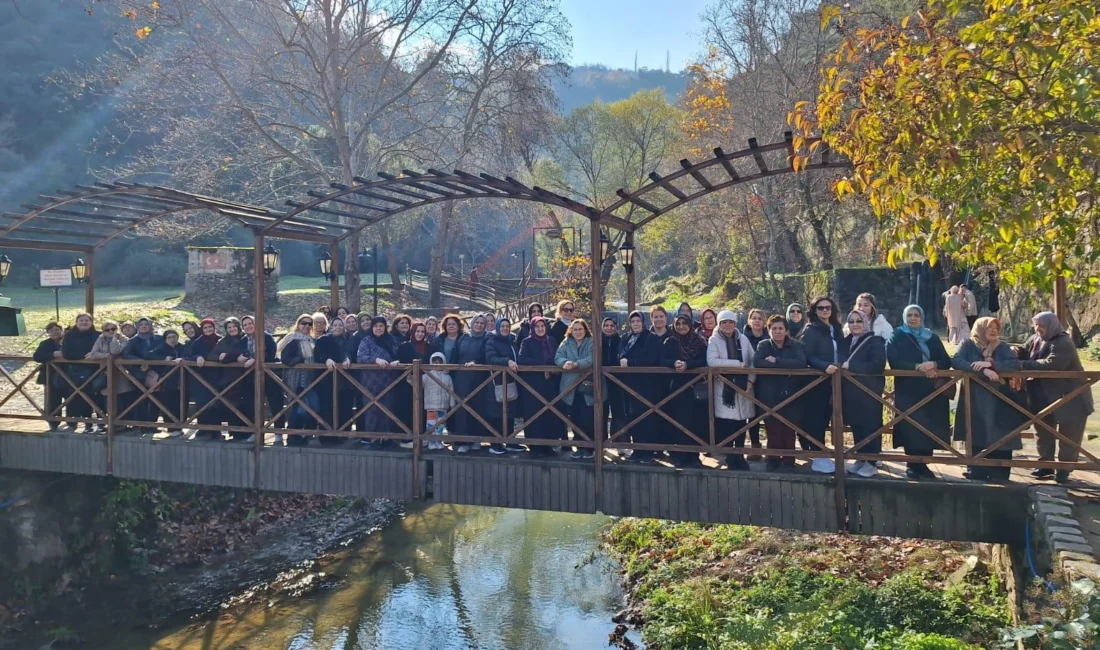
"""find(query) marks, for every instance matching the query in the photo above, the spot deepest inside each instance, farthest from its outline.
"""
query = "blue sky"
(609, 31)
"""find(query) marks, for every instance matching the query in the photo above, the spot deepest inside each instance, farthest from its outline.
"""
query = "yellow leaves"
(828, 13)
(155, 6)
(130, 14)
(843, 187)
(143, 32)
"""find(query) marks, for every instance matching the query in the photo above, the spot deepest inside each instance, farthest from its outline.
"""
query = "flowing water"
(441, 577)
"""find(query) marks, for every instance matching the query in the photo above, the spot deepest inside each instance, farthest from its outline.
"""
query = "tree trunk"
(435, 274)
(351, 274)
(818, 227)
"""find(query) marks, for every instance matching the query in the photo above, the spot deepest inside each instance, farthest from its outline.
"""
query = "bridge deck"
(952, 509)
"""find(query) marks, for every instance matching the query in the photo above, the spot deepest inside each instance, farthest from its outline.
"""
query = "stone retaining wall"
(1057, 538)
(223, 277)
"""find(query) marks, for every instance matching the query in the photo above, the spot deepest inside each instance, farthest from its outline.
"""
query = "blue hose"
(1031, 559)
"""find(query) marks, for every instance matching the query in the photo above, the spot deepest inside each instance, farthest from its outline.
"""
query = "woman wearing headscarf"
(233, 348)
(200, 351)
(708, 322)
(795, 319)
(534, 309)
(684, 350)
(169, 349)
(613, 396)
(913, 346)
(273, 392)
(111, 343)
(728, 348)
(332, 350)
(293, 349)
(1051, 348)
(137, 349)
(862, 412)
(575, 356)
(985, 355)
(431, 328)
(539, 349)
(48, 351)
(826, 350)
(564, 314)
(191, 331)
(470, 351)
(377, 349)
(640, 348)
(501, 350)
(685, 310)
(954, 310)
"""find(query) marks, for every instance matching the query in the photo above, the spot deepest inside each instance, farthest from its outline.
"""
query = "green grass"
(298, 284)
(721, 587)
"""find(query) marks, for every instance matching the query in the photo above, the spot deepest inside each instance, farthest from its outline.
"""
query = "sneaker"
(408, 444)
(515, 449)
(578, 454)
(823, 466)
(855, 467)
(174, 433)
(435, 445)
(1061, 476)
(1043, 473)
(462, 449)
(497, 450)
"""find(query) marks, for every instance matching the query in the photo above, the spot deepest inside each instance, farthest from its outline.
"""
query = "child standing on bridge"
(438, 398)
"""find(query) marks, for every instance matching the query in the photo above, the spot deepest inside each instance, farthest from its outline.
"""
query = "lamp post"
(5, 267)
(627, 250)
(605, 247)
(373, 257)
(80, 270)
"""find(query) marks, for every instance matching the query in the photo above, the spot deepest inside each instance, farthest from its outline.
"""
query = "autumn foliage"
(974, 130)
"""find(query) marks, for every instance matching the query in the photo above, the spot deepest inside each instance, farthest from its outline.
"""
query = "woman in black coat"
(780, 351)
(826, 350)
(641, 348)
(1052, 349)
(539, 349)
(502, 350)
(232, 348)
(200, 351)
(49, 349)
(416, 348)
(169, 349)
(534, 309)
(991, 418)
(685, 350)
(862, 412)
(563, 317)
(469, 350)
(613, 396)
(331, 349)
(76, 345)
(915, 347)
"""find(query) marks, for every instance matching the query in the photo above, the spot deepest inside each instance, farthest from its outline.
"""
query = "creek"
(440, 576)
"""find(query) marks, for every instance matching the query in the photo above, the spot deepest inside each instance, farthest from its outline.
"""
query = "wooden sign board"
(55, 278)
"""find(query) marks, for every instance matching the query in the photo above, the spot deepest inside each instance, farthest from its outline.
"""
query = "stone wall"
(223, 277)
(889, 286)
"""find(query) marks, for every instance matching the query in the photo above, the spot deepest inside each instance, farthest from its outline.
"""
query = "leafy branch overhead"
(974, 130)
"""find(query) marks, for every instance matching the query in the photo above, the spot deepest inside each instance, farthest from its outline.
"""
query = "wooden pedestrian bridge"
(889, 504)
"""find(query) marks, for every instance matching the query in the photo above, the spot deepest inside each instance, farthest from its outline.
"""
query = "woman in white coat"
(728, 348)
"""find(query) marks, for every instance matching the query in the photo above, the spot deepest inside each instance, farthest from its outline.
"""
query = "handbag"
(500, 394)
(701, 392)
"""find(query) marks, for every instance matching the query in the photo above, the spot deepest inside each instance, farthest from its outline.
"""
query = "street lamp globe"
(5, 267)
(325, 262)
(605, 246)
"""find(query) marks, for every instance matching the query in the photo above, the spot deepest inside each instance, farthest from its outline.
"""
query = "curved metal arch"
(92, 215)
(820, 158)
(392, 195)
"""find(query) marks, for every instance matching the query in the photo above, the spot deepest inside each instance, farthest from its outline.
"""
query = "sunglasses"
(796, 311)
(307, 323)
(110, 329)
(855, 322)
(567, 310)
(823, 308)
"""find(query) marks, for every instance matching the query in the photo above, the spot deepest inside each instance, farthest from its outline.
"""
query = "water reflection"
(446, 577)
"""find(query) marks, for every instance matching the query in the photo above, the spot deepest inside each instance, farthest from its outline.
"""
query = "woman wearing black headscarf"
(332, 350)
(416, 348)
(539, 349)
(613, 402)
(377, 349)
(232, 348)
(684, 350)
(640, 348)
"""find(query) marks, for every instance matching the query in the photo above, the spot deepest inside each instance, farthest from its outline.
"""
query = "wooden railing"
(371, 403)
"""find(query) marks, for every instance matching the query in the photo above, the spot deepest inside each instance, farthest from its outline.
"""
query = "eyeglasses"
(307, 323)
(823, 308)
(796, 311)
(110, 329)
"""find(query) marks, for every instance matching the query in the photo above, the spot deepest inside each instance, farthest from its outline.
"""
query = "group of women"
(552, 358)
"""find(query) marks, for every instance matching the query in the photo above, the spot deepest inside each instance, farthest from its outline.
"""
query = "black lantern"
(605, 246)
(326, 265)
(5, 267)
(627, 249)
(271, 259)
(80, 270)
